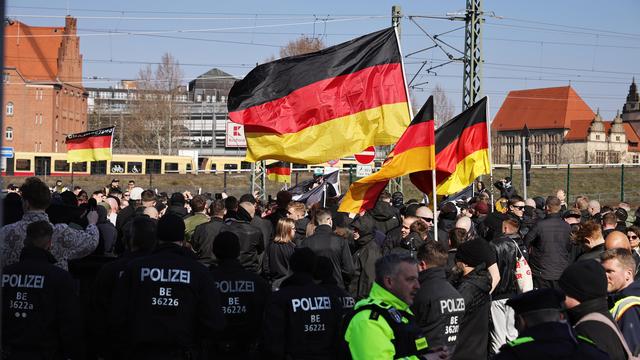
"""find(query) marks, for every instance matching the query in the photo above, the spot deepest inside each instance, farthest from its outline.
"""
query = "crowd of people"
(129, 273)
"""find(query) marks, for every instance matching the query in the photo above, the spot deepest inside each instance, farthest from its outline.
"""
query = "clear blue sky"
(594, 45)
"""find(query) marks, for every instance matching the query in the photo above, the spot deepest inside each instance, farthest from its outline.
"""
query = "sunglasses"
(633, 237)
(429, 220)
(518, 207)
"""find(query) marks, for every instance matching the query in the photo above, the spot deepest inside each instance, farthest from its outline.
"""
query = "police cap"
(537, 300)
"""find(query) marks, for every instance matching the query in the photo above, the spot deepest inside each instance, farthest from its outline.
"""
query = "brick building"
(44, 99)
(563, 129)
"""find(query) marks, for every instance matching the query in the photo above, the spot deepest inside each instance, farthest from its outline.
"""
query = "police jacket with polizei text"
(166, 298)
(325, 243)
(243, 295)
(439, 308)
(41, 313)
(302, 321)
(474, 329)
(251, 243)
(383, 327)
(550, 340)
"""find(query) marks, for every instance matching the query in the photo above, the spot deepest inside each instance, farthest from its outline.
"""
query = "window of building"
(601, 157)
(617, 137)
(6, 77)
(597, 137)
(636, 159)
(9, 108)
(23, 164)
(8, 134)
(614, 157)
(61, 165)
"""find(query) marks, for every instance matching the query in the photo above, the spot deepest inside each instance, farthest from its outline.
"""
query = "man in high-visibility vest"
(383, 326)
(624, 294)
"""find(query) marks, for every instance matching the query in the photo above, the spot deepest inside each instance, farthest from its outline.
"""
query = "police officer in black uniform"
(543, 332)
(40, 317)
(302, 320)
(166, 305)
(242, 295)
(323, 272)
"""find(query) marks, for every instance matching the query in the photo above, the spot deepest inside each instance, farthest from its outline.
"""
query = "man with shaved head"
(594, 210)
(617, 240)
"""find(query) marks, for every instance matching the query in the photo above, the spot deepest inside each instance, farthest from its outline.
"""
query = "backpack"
(594, 316)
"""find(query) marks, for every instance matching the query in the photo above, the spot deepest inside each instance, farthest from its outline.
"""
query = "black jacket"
(593, 253)
(165, 303)
(506, 250)
(202, 240)
(243, 295)
(275, 264)
(265, 227)
(364, 258)
(104, 286)
(439, 309)
(325, 243)
(473, 335)
(251, 242)
(603, 337)
(302, 321)
(548, 242)
(551, 341)
(41, 313)
(385, 216)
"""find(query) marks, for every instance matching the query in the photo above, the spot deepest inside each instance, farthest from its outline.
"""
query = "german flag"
(462, 152)
(279, 171)
(413, 152)
(90, 145)
(316, 107)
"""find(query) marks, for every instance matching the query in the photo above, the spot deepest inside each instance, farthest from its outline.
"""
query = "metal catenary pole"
(472, 74)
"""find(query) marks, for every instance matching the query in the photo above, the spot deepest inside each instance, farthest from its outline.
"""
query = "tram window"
(153, 166)
(23, 164)
(134, 167)
(348, 166)
(245, 165)
(213, 166)
(61, 166)
(99, 167)
(170, 167)
(117, 167)
(231, 166)
(299, 166)
(80, 166)
(188, 167)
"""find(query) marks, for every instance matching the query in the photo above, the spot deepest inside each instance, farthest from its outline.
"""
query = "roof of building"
(632, 137)
(214, 74)
(546, 108)
(33, 50)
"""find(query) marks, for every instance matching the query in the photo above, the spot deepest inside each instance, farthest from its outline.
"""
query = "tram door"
(43, 165)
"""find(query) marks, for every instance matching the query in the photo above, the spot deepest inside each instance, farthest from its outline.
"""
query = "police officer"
(166, 305)
(383, 326)
(543, 332)
(302, 320)
(243, 295)
(40, 317)
(323, 272)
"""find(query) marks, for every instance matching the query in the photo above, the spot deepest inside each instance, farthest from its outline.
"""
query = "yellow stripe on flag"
(382, 125)
(82, 155)
(280, 178)
(466, 172)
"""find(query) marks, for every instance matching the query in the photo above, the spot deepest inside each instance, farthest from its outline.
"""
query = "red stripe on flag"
(326, 100)
(279, 171)
(92, 142)
(472, 139)
(418, 135)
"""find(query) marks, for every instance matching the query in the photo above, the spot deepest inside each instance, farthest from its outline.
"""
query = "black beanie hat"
(226, 245)
(535, 300)
(303, 260)
(473, 252)
(584, 280)
(170, 228)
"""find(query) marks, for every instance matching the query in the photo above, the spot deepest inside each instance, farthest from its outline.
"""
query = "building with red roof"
(564, 129)
(44, 99)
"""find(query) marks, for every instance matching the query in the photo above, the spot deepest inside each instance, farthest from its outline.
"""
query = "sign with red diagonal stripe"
(366, 156)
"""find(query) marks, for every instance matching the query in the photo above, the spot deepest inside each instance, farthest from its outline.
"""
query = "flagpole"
(490, 156)
(404, 76)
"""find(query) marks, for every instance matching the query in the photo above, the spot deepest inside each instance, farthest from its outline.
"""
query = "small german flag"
(312, 108)
(462, 152)
(279, 171)
(413, 152)
(90, 145)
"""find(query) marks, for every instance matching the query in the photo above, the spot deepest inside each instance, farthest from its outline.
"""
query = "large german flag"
(316, 107)
(413, 152)
(279, 171)
(462, 152)
(90, 145)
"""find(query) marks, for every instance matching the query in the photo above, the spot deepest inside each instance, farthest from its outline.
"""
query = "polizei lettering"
(165, 275)
(451, 305)
(238, 286)
(314, 303)
(23, 281)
